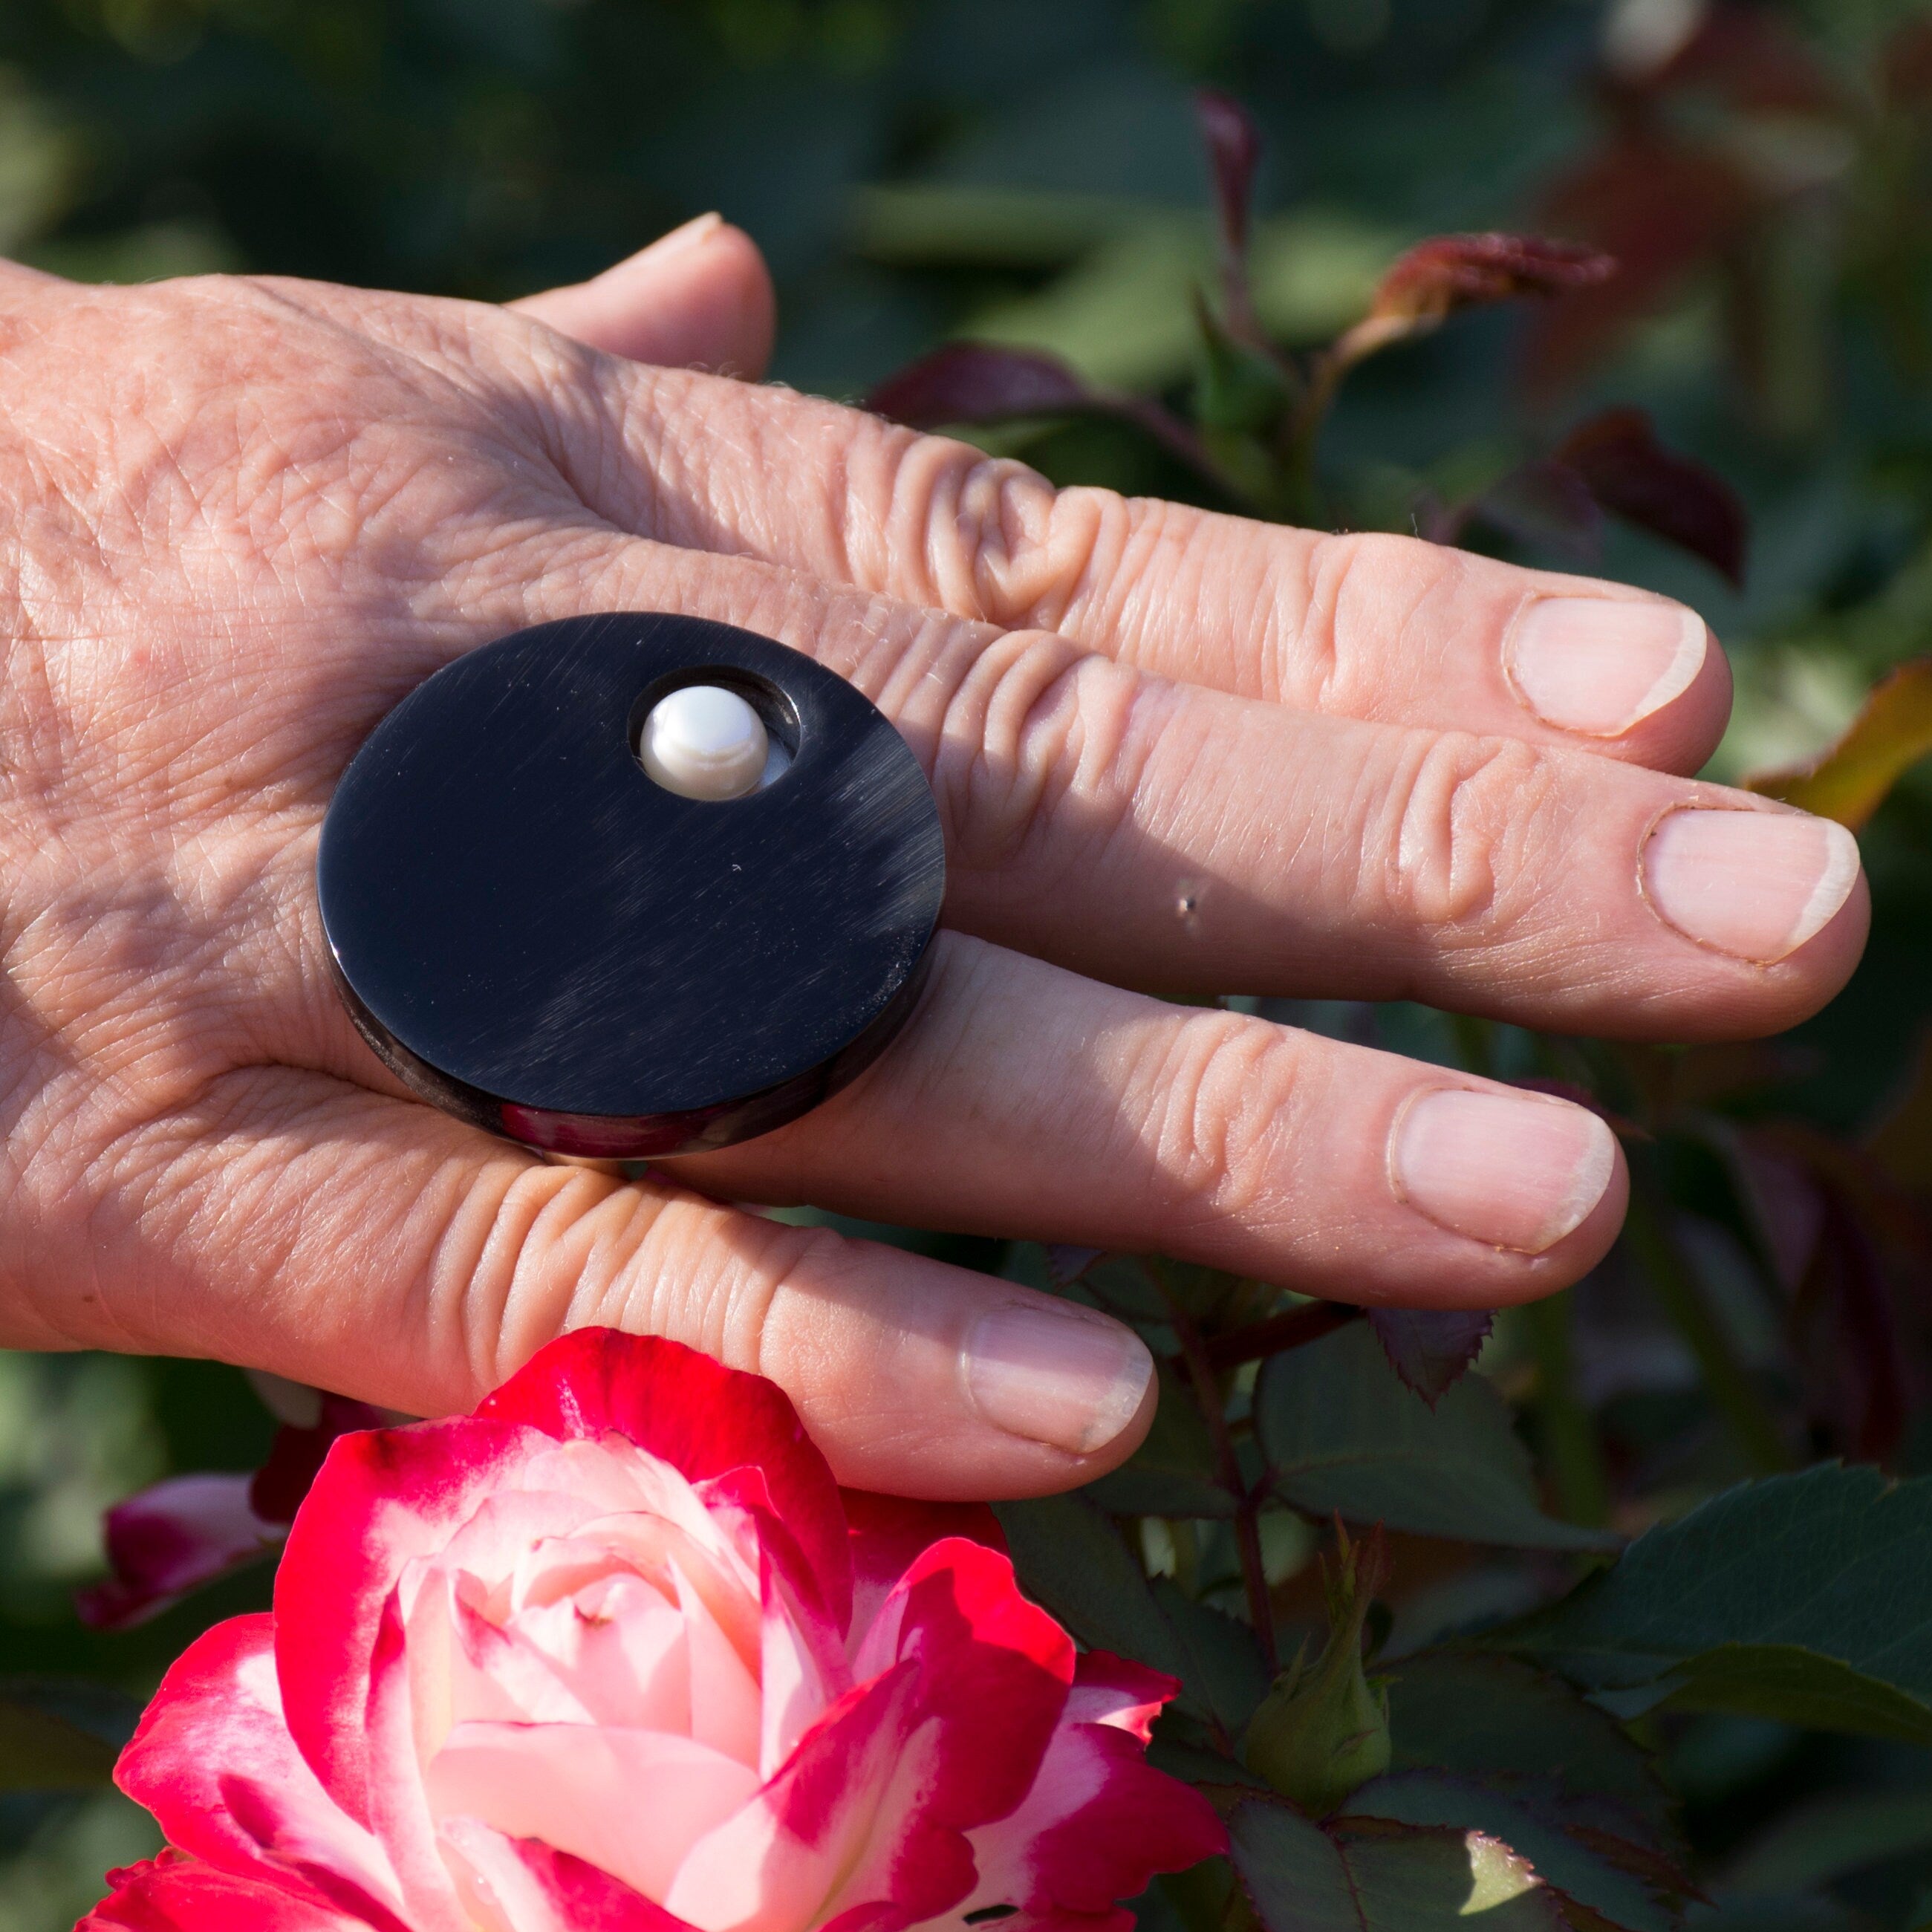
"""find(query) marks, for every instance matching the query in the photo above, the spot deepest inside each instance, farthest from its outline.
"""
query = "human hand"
(1171, 750)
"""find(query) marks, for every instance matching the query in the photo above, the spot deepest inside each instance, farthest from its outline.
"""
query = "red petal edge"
(172, 1894)
(702, 1418)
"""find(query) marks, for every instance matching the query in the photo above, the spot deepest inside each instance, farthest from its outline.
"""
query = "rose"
(615, 1652)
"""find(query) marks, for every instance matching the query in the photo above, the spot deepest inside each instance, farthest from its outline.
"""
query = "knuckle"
(1461, 811)
(531, 1250)
(993, 539)
(1366, 594)
(1029, 720)
(1224, 1088)
(649, 1258)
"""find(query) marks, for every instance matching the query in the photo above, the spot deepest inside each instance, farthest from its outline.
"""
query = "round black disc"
(539, 938)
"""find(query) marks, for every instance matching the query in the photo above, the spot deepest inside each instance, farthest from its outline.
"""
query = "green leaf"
(1172, 1472)
(1071, 1559)
(1831, 1837)
(1341, 1432)
(1850, 780)
(42, 1751)
(1806, 1598)
(1221, 1660)
(1577, 1870)
(1504, 1720)
(1796, 1686)
(1302, 1878)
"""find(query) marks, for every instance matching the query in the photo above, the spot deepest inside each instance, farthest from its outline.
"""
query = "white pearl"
(705, 742)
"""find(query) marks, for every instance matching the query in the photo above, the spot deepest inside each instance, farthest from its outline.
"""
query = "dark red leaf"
(1431, 1348)
(1905, 66)
(1546, 503)
(295, 1457)
(1752, 59)
(1844, 1290)
(1635, 477)
(1437, 277)
(1660, 208)
(979, 382)
(1234, 145)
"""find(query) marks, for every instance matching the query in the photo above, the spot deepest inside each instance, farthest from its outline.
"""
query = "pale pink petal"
(214, 1761)
(968, 1681)
(786, 1861)
(400, 1814)
(619, 1649)
(629, 1801)
(501, 1532)
(171, 1539)
(504, 1675)
(172, 1894)
(1098, 1821)
(646, 1546)
(520, 1885)
(725, 1706)
(802, 1672)
(698, 1416)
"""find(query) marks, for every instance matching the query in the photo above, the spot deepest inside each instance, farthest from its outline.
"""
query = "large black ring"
(541, 939)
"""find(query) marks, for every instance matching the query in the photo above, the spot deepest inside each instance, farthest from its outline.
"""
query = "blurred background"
(1030, 171)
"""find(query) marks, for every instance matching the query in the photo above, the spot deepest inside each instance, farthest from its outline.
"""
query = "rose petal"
(888, 1533)
(171, 1539)
(697, 1415)
(520, 1885)
(725, 1704)
(172, 1894)
(815, 1839)
(1099, 1821)
(383, 1500)
(966, 1682)
(214, 1761)
(629, 1802)
(400, 1814)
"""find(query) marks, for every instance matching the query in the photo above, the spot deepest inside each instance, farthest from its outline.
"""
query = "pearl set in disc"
(705, 742)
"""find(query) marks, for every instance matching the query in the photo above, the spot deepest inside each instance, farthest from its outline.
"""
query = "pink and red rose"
(614, 1652)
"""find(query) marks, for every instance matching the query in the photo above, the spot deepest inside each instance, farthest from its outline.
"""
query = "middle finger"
(1167, 836)
(1376, 627)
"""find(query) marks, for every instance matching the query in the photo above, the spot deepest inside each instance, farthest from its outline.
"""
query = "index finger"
(1384, 628)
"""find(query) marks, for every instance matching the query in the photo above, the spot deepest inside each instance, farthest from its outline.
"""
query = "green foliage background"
(1027, 171)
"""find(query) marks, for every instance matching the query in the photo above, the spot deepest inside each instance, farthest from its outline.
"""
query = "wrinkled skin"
(1171, 750)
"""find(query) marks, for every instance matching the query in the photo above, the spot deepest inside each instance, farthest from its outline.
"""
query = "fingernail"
(697, 229)
(1755, 884)
(1503, 1169)
(1598, 665)
(1071, 1379)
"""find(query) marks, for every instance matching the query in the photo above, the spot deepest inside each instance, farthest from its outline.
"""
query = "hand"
(1171, 750)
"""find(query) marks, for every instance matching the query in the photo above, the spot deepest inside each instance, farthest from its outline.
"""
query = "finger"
(1176, 838)
(288, 1222)
(1379, 628)
(1170, 837)
(699, 297)
(1025, 1101)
